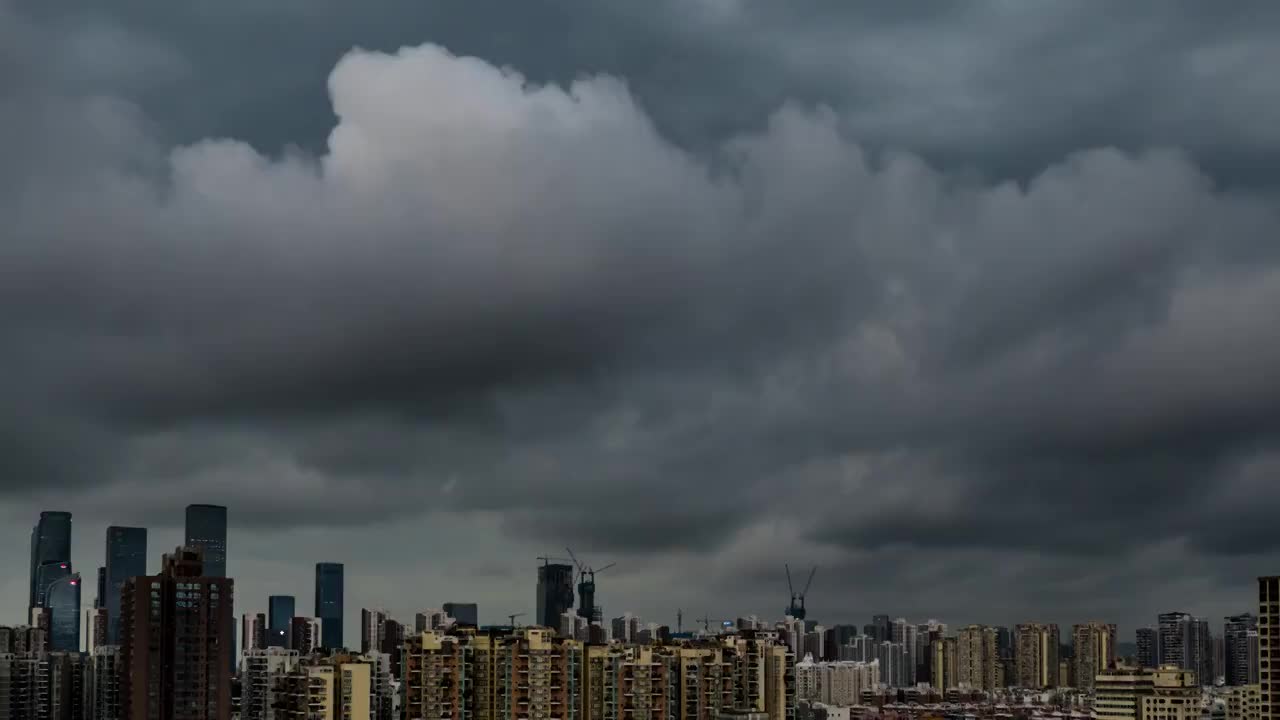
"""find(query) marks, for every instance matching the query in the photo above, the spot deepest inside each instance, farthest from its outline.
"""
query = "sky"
(971, 305)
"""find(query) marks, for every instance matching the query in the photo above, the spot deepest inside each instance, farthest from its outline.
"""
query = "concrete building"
(1036, 656)
(304, 635)
(1119, 693)
(1094, 650)
(1269, 646)
(1148, 643)
(253, 632)
(835, 683)
(944, 670)
(177, 647)
(335, 688)
(555, 593)
(104, 691)
(261, 670)
(371, 622)
(1244, 702)
(977, 658)
(1175, 695)
(1237, 653)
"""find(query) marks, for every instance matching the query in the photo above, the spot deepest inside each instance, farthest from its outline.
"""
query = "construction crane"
(587, 587)
(796, 608)
(512, 618)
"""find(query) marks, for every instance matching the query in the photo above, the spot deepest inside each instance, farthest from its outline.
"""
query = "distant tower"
(50, 546)
(63, 603)
(555, 593)
(280, 609)
(329, 590)
(126, 558)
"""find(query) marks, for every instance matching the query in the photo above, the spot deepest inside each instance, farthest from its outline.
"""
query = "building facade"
(126, 558)
(1036, 656)
(1094, 650)
(329, 604)
(1237, 652)
(978, 658)
(1269, 646)
(280, 610)
(555, 593)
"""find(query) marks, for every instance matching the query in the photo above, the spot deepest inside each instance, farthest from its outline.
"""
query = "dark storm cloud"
(740, 297)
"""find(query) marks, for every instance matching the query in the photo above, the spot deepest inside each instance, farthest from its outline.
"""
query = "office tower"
(104, 692)
(555, 593)
(280, 610)
(262, 670)
(100, 600)
(882, 628)
(206, 528)
(463, 613)
(62, 601)
(904, 634)
(50, 545)
(126, 558)
(253, 632)
(1148, 640)
(1094, 650)
(1269, 643)
(335, 688)
(1235, 647)
(371, 628)
(304, 635)
(977, 657)
(176, 644)
(943, 667)
(329, 589)
(1036, 656)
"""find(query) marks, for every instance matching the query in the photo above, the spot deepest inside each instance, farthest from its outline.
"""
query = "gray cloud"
(703, 334)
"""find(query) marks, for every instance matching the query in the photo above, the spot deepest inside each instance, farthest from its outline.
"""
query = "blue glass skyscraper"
(280, 610)
(329, 603)
(126, 558)
(207, 530)
(63, 603)
(50, 545)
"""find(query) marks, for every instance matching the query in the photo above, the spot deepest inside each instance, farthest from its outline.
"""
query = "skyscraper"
(207, 529)
(280, 609)
(1094, 649)
(464, 613)
(1185, 641)
(176, 646)
(1236, 647)
(555, 593)
(1148, 640)
(126, 558)
(978, 657)
(1036, 656)
(50, 544)
(329, 586)
(304, 635)
(253, 632)
(63, 603)
(1269, 643)
(371, 622)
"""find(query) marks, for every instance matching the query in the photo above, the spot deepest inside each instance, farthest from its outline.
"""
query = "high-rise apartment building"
(50, 546)
(1148, 642)
(464, 613)
(280, 609)
(555, 593)
(1118, 693)
(1094, 650)
(304, 635)
(1244, 702)
(262, 669)
(431, 620)
(1236, 648)
(978, 658)
(62, 602)
(836, 683)
(334, 688)
(371, 622)
(104, 692)
(1036, 655)
(1269, 646)
(1175, 695)
(943, 667)
(1185, 642)
(176, 644)
(126, 558)
(329, 607)
(253, 632)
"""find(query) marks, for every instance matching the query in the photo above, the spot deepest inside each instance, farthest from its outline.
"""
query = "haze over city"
(971, 305)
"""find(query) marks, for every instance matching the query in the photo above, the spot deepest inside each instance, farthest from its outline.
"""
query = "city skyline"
(968, 304)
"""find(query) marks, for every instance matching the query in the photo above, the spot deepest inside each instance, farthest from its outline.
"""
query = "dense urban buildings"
(1036, 655)
(126, 557)
(50, 548)
(978, 658)
(1148, 646)
(329, 606)
(1094, 651)
(1239, 633)
(464, 613)
(176, 645)
(62, 604)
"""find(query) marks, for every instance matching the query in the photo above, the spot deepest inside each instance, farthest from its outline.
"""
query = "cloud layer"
(511, 314)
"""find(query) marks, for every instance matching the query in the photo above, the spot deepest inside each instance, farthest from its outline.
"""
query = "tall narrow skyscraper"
(63, 603)
(50, 545)
(555, 593)
(329, 586)
(280, 609)
(1148, 640)
(207, 530)
(126, 558)
(1237, 648)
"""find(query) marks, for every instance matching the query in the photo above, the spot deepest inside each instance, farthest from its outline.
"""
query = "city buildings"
(1269, 645)
(104, 690)
(126, 557)
(1119, 693)
(62, 603)
(176, 644)
(50, 553)
(304, 634)
(280, 609)
(339, 687)
(329, 608)
(371, 622)
(206, 529)
(465, 613)
(555, 593)
(253, 632)
(261, 671)
(943, 666)
(978, 658)
(1238, 660)
(835, 683)
(1036, 659)
(1094, 650)
(1148, 643)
